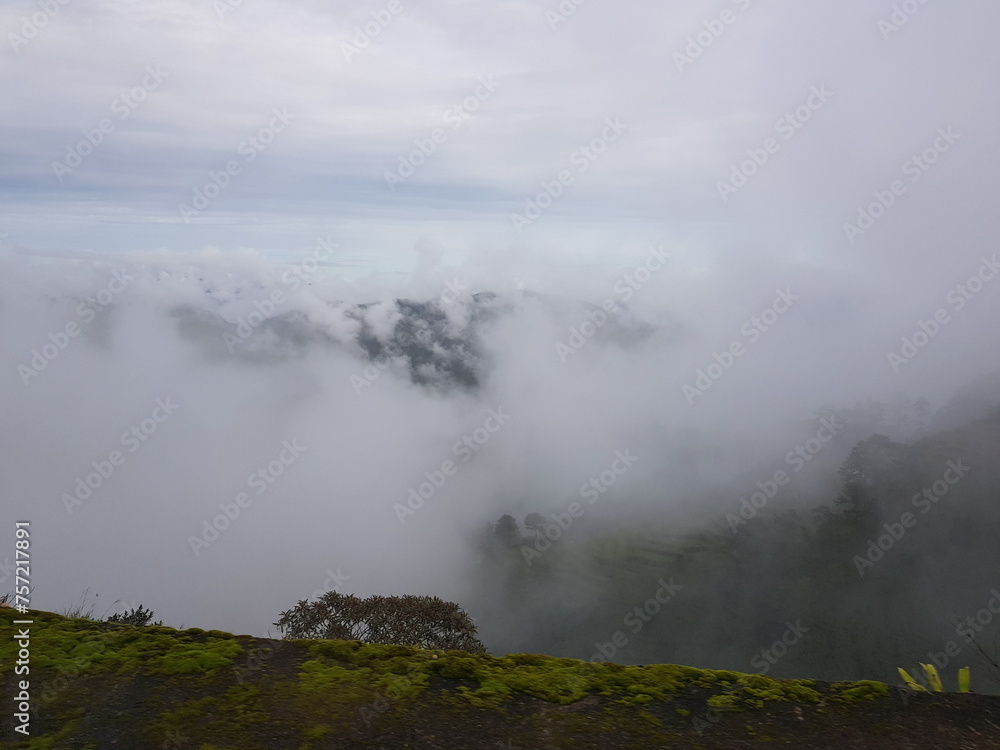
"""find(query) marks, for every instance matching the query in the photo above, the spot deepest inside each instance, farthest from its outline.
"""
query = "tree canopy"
(423, 621)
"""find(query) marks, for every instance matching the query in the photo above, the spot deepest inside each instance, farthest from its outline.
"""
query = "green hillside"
(833, 555)
(100, 685)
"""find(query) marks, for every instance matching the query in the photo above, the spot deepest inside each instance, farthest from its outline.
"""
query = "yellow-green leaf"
(933, 678)
(910, 682)
(964, 680)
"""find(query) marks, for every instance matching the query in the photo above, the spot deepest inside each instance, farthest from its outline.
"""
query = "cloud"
(432, 297)
(432, 370)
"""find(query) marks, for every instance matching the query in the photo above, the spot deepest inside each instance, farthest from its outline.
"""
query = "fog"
(218, 417)
(365, 441)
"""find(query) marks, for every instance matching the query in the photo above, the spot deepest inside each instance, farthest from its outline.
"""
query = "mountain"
(437, 343)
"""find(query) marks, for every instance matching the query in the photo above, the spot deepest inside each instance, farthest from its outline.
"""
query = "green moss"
(320, 675)
(560, 681)
(325, 685)
(318, 732)
(196, 658)
(636, 700)
(753, 691)
(339, 688)
(365, 654)
(346, 665)
(854, 692)
(489, 696)
(232, 718)
(183, 716)
(565, 681)
(403, 687)
(95, 647)
(456, 668)
(53, 741)
(650, 719)
(244, 700)
(726, 702)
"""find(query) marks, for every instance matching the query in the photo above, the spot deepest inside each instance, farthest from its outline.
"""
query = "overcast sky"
(557, 77)
(842, 153)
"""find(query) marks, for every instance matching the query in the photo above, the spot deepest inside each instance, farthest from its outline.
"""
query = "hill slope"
(99, 685)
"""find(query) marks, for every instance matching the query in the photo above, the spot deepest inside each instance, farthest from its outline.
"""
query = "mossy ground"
(97, 685)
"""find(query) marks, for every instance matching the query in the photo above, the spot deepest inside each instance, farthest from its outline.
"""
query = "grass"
(82, 609)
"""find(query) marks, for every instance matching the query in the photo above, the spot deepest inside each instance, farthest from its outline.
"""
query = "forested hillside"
(898, 567)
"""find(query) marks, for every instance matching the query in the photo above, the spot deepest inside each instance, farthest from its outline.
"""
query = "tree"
(874, 476)
(507, 531)
(534, 522)
(875, 470)
(422, 621)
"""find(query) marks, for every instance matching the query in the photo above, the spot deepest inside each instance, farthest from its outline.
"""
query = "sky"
(830, 166)
(690, 104)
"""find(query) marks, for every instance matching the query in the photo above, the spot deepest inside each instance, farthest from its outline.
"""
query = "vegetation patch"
(158, 687)
(87, 646)
(863, 690)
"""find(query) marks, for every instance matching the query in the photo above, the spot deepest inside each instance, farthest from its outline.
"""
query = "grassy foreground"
(98, 685)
